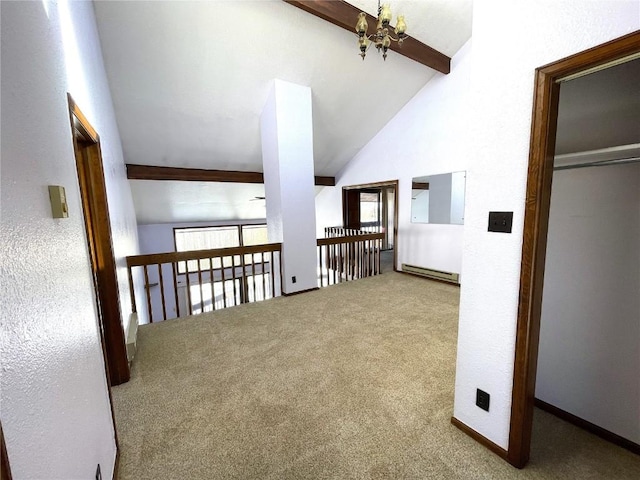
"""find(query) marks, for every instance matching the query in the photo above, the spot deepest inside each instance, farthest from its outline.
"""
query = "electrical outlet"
(98, 473)
(293, 280)
(500, 222)
(482, 399)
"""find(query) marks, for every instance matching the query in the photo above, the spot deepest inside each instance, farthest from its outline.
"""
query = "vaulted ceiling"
(189, 79)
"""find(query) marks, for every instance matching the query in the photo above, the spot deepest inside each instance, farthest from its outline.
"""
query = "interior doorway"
(93, 193)
(536, 223)
(373, 208)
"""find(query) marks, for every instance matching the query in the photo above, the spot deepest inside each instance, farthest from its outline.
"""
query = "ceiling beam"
(150, 172)
(344, 15)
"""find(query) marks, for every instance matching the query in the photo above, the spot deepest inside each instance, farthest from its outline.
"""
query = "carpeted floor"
(351, 381)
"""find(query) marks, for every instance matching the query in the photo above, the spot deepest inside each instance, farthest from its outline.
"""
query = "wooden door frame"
(93, 193)
(387, 183)
(5, 467)
(536, 220)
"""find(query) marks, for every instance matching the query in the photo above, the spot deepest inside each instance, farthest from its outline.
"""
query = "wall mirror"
(438, 198)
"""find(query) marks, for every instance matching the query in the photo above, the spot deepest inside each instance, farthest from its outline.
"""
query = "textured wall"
(510, 39)
(55, 406)
(428, 136)
(589, 359)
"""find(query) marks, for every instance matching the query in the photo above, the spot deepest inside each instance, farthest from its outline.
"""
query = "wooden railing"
(348, 257)
(188, 283)
(332, 232)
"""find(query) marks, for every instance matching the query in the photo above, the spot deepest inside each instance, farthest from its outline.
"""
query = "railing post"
(174, 268)
(243, 282)
(160, 278)
(131, 290)
(147, 288)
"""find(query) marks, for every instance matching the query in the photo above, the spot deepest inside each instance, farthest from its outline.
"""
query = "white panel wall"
(510, 39)
(589, 358)
(55, 405)
(427, 137)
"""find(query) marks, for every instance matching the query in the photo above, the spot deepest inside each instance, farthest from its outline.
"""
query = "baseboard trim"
(428, 278)
(481, 439)
(588, 426)
(301, 291)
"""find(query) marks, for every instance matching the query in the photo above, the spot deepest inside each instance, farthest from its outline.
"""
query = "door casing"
(536, 221)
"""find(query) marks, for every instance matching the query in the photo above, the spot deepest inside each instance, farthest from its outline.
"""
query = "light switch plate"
(58, 199)
(500, 222)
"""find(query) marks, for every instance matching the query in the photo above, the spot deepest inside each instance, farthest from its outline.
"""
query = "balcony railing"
(187, 283)
(348, 257)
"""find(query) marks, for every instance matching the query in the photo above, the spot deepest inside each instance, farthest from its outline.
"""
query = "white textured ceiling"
(189, 79)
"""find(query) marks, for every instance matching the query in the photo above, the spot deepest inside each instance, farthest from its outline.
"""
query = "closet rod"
(602, 163)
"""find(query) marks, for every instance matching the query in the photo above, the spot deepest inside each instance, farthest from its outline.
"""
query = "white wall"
(510, 39)
(55, 405)
(427, 137)
(589, 358)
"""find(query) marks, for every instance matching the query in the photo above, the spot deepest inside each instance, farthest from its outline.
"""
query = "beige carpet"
(352, 381)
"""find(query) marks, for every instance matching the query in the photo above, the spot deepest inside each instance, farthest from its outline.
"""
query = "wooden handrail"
(211, 277)
(349, 257)
(350, 239)
(170, 257)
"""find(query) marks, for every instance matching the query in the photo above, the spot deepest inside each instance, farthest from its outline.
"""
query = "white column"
(287, 158)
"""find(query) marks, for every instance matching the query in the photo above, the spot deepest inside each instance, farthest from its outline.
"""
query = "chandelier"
(381, 37)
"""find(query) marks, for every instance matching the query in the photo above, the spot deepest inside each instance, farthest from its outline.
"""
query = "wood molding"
(588, 426)
(349, 239)
(5, 467)
(173, 257)
(345, 15)
(481, 439)
(395, 184)
(93, 194)
(365, 186)
(151, 172)
(536, 219)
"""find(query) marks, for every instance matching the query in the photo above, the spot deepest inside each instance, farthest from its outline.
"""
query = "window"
(207, 238)
(253, 235)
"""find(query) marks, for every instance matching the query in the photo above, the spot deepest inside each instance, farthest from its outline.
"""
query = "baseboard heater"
(430, 273)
